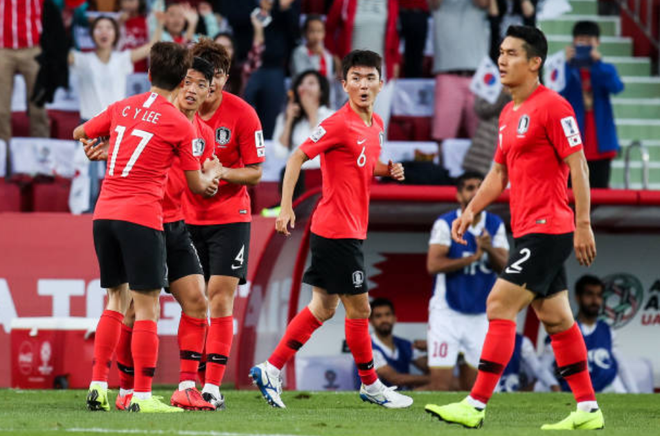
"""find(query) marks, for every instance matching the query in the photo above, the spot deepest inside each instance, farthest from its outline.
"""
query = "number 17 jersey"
(146, 132)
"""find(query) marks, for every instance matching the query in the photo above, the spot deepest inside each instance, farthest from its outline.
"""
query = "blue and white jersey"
(400, 358)
(466, 290)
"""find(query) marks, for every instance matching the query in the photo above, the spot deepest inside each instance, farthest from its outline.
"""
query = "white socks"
(272, 370)
(142, 395)
(587, 406)
(124, 392)
(188, 384)
(375, 387)
(212, 389)
(104, 384)
(475, 403)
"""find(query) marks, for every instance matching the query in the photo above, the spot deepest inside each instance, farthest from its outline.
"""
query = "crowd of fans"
(276, 42)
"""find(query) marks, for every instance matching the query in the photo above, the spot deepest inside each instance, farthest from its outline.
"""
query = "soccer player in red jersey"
(146, 133)
(539, 144)
(220, 225)
(349, 143)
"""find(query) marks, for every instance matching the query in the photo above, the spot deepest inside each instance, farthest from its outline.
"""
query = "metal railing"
(645, 164)
(635, 14)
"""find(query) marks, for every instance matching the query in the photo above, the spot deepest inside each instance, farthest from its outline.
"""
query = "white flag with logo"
(554, 72)
(486, 81)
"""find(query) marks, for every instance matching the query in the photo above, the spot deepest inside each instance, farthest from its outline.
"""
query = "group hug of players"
(174, 213)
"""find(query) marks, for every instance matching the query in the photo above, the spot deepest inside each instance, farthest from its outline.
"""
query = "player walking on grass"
(539, 143)
(146, 133)
(349, 143)
(184, 271)
(220, 225)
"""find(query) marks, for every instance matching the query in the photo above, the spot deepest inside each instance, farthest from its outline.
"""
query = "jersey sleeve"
(323, 138)
(562, 129)
(186, 149)
(499, 238)
(251, 144)
(440, 234)
(99, 126)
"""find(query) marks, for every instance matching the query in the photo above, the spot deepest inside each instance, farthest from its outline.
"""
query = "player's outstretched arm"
(391, 169)
(398, 379)
(291, 174)
(202, 182)
(583, 240)
(491, 188)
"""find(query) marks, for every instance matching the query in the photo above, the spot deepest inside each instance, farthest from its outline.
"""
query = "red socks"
(192, 334)
(298, 332)
(125, 358)
(571, 355)
(218, 345)
(359, 341)
(145, 354)
(105, 341)
(495, 355)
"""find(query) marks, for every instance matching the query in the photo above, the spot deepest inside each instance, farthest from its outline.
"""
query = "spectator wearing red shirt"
(134, 30)
(589, 84)
(312, 55)
(19, 46)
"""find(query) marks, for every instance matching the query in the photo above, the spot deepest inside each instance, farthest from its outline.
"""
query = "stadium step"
(618, 165)
(640, 87)
(629, 66)
(644, 108)
(638, 128)
(609, 45)
(584, 7)
(609, 26)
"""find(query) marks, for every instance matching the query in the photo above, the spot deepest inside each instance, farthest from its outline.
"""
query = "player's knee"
(358, 312)
(497, 309)
(322, 313)
(196, 306)
(222, 299)
(554, 325)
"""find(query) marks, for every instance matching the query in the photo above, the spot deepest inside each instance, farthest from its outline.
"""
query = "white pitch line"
(138, 431)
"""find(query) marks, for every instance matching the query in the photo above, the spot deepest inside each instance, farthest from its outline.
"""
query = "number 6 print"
(516, 267)
(362, 159)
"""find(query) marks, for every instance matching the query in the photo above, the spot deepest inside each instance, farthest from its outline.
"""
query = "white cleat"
(270, 387)
(387, 397)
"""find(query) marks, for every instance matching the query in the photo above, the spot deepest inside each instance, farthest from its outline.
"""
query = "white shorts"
(451, 333)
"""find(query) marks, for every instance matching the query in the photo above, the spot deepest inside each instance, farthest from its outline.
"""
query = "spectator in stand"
(134, 30)
(479, 156)
(265, 90)
(460, 44)
(309, 100)
(505, 13)
(607, 370)
(237, 14)
(524, 369)
(181, 21)
(414, 18)
(102, 76)
(19, 46)
(365, 25)
(235, 81)
(312, 55)
(589, 84)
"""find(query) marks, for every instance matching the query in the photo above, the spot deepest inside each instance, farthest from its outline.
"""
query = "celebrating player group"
(174, 213)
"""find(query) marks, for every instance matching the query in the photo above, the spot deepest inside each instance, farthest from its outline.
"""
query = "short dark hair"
(169, 64)
(204, 67)
(100, 18)
(586, 28)
(468, 175)
(587, 280)
(382, 302)
(535, 44)
(309, 19)
(213, 53)
(361, 58)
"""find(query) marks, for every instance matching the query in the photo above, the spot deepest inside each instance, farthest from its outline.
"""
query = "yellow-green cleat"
(97, 398)
(458, 413)
(579, 420)
(152, 405)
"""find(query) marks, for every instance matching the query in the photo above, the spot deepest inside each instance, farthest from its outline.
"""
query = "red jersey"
(238, 142)
(176, 179)
(21, 23)
(349, 152)
(534, 141)
(146, 132)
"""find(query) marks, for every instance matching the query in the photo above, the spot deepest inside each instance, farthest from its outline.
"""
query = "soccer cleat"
(579, 420)
(123, 401)
(97, 398)
(270, 387)
(190, 399)
(151, 405)
(218, 403)
(387, 397)
(458, 413)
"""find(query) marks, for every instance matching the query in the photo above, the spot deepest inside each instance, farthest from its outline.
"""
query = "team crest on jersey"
(222, 135)
(358, 279)
(317, 134)
(571, 131)
(198, 146)
(523, 124)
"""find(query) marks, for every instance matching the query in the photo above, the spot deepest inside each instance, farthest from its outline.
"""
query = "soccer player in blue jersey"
(464, 276)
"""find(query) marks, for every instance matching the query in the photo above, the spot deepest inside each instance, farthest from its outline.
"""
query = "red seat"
(63, 123)
(264, 195)
(20, 124)
(404, 128)
(10, 196)
(51, 195)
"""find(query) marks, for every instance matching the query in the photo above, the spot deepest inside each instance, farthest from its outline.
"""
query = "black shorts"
(537, 263)
(337, 266)
(130, 253)
(182, 258)
(223, 249)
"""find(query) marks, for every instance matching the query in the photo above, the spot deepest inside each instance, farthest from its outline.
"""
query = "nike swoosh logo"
(236, 266)
(511, 271)
(361, 142)
(502, 128)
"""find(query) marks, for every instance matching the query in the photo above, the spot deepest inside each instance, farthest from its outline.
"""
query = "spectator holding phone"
(589, 84)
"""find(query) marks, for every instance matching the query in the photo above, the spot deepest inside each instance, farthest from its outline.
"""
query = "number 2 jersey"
(146, 133)
(349, 152)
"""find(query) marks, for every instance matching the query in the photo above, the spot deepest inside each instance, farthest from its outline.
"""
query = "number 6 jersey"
(349, 152)
(146, 131)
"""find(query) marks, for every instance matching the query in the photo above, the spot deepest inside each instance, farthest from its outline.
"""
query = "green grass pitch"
(313, 413)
